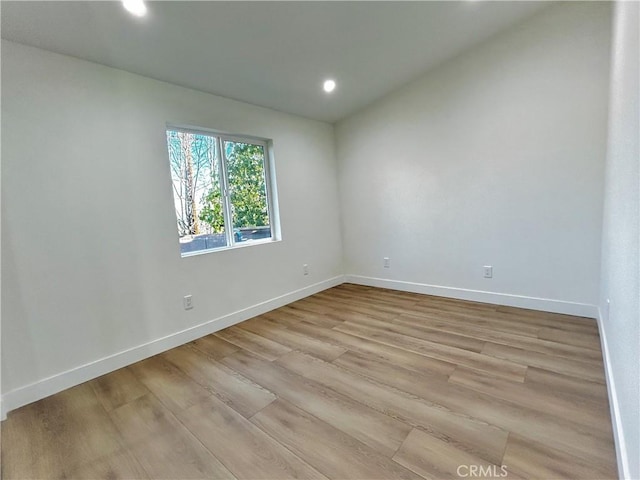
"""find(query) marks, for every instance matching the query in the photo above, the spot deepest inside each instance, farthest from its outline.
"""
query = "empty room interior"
(330, 240)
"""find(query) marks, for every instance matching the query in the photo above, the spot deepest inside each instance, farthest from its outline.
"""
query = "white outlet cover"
(187, 302)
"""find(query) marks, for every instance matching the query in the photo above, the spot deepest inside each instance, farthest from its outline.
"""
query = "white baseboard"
(616, 420)
(520, 301)
(61, 381)
(56, 383)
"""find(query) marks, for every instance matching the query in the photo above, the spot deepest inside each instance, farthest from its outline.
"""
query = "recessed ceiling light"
(329, 86)
(135, 7)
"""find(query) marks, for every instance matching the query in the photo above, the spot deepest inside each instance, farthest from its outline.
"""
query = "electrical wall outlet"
(386, 262)
(488, 271)
(187, 302)
(305, 269)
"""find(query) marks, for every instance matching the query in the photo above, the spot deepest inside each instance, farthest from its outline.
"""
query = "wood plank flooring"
(351, 383)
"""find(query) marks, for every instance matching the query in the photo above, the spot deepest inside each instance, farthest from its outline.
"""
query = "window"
(222, 190)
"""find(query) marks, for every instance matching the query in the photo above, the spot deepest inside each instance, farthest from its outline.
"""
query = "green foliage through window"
(245, 167)
(219, 186)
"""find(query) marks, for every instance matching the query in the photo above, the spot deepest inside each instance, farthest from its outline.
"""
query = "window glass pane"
(247, 190)
(195, 174)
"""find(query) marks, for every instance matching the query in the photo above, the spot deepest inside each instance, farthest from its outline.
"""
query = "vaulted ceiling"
(273, 54)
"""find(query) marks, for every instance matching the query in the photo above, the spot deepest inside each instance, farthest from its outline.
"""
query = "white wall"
(494, 158)
(90, 257)
(620, 320)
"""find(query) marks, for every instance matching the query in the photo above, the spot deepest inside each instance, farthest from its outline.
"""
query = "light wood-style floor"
(353, 382)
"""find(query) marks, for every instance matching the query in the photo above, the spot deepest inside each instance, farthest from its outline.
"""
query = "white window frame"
(269, 179)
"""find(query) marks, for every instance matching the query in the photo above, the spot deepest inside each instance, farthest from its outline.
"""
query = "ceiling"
(273, 54)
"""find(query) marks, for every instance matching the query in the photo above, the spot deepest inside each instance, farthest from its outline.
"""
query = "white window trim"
(270, 186)
(248, 243)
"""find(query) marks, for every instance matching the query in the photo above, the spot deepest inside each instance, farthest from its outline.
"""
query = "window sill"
(248, 243)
